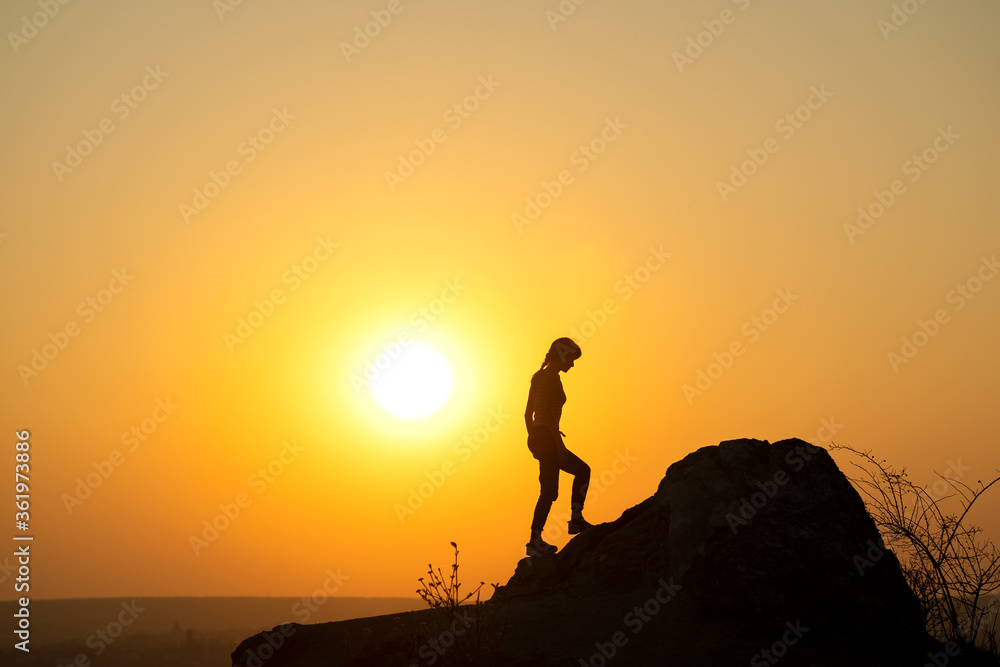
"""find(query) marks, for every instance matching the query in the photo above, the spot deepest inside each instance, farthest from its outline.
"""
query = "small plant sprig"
(480, 644)
(437, 593)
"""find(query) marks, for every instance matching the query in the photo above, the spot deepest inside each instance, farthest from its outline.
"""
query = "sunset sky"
(223, 221)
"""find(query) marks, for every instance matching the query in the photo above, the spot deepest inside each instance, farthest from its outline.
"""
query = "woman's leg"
(548, 477)
(545, 449)
(574, 465)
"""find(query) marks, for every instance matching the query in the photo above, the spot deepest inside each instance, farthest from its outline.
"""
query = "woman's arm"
(528, 414)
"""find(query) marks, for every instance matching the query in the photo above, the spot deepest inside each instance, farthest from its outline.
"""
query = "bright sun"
(416, 384)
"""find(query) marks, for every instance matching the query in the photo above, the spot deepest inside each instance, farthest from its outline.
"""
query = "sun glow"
(417, 384)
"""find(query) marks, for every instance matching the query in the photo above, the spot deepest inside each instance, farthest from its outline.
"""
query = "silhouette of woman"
(545, 401)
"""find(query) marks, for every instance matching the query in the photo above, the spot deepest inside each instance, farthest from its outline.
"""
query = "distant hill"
(748, 553)
(60, 620)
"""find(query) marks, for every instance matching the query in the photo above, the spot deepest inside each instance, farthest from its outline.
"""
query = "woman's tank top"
(547, 397)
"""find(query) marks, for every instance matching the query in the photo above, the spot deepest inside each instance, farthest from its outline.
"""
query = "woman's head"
(562, 353)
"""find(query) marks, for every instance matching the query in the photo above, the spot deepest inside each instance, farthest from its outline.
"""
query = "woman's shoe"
(578, 525)
(539, 547)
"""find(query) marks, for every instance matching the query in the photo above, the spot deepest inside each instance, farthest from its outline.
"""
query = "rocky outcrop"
(767, 553)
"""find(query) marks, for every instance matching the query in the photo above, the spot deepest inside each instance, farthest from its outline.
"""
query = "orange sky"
(676, 185)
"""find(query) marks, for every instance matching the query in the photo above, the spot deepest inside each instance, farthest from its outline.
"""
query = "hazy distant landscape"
(171, 631)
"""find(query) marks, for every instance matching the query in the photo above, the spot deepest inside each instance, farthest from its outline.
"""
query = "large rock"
(748, 553)
(764, 548)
